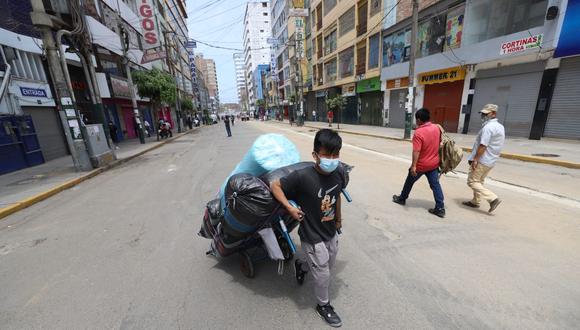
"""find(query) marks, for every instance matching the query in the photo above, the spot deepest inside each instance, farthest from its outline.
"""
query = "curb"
(20, 205)
(506, 155)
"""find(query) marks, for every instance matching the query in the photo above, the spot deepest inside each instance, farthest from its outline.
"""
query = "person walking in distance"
(425, 162)
(486, 150)
(227, 123)
(317, 190)
(330, 116)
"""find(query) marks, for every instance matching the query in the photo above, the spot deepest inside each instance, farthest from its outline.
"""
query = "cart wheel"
(246, 265)
(286, 251)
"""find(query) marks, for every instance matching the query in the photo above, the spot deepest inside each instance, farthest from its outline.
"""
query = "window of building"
(374, 45)
(24, 64)
(328, 6)
(491, 19)
(330, 70)
(265, 14)
(431, 36)
(262, 31)
(330, 43)
(264, 4)
(346, 60)
(396, 47)
(375, 7)
(346, 22)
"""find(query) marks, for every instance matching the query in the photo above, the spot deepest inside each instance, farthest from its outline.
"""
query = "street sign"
(298, 12)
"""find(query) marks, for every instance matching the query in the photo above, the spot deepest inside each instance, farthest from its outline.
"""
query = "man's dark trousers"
(433, 178)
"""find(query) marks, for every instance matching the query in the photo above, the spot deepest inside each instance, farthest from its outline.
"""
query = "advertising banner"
(569, 42)
(520, 45)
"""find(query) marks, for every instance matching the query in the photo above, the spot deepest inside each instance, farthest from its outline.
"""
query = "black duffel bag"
(249, 204)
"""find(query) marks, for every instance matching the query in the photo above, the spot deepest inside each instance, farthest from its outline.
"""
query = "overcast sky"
(219, 23)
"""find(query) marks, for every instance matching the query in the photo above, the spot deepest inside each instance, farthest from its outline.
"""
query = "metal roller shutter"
(49, 132)
(564, 116)
(515, 95)
(397, 101)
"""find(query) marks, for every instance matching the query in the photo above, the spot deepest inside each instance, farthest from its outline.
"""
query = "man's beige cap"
(488, 108)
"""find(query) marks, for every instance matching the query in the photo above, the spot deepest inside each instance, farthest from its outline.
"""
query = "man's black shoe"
(299, 272)
(397, 199)
(470, 204)
(329, 315)
(438, 212)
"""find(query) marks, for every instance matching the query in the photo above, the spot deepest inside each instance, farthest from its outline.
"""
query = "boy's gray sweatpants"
(320, 259)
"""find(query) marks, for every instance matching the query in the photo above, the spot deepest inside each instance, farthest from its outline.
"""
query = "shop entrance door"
(444, 103)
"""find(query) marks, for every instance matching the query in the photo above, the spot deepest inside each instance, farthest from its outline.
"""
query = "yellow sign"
(442, 76)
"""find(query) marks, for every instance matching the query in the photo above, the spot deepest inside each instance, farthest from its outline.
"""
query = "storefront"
(398, 90)
(35, 100)
(515, 90)
(371, 101)
(321, 105)
(443, 91)
(350, 113)
(564, 113)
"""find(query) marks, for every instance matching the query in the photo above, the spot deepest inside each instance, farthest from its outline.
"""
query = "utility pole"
(67, 110)
(172, 70)
(412, 82)
(125, 44)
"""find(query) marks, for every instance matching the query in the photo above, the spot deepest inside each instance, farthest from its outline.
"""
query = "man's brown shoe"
(470, 204)
(494, 204)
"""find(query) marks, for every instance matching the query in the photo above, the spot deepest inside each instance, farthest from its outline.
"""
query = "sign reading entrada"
(521, 45)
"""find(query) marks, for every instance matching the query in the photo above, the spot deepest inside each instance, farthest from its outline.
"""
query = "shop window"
(346, 60)
(396, 47)
(431, 36)
(346, 22)
(495, 18)
(330, 43)
(374, 45)
(328, 6)
(375, 7)
(330, 70)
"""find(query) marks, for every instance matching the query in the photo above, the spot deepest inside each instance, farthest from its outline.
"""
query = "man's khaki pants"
(475, 181)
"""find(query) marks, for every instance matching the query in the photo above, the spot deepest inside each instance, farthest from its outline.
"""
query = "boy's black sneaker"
(299, 272)
(397, 199)
(329, 315)
(438, 212)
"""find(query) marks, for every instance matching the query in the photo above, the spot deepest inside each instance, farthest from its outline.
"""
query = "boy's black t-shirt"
(317, 195)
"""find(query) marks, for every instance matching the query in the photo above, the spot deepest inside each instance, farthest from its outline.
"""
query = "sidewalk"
(567, 151)
(23, 188)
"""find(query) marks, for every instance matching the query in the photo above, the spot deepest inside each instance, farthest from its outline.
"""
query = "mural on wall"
(454, 28)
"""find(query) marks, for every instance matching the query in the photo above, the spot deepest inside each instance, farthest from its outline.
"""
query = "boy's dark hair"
(329, 140)
(423, 115)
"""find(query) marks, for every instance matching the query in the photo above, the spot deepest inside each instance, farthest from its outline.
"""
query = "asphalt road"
(121, 251)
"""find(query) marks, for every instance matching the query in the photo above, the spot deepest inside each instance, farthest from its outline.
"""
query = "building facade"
(255, 43)
(240, 78)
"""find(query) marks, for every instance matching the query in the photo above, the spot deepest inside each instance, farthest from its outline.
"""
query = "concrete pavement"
(120, 251)
(23, 188)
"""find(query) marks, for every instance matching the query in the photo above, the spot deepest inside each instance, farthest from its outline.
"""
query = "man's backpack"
(450, 154)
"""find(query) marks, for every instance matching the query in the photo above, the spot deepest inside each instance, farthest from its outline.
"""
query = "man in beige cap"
(486, 151)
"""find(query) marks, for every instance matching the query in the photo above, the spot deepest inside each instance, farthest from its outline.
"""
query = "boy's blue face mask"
(328, 165)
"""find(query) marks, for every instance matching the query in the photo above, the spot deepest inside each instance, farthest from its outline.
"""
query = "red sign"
(150, 34)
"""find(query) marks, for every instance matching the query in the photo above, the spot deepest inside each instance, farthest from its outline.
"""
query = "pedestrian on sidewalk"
(227, 123)
(486, 150)
(330, 116)
(313, 115)
(113, 132)
(425, 162)
(317, 190)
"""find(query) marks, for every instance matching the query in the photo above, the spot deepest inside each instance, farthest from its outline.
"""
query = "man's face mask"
(328, 165)
(484, 118)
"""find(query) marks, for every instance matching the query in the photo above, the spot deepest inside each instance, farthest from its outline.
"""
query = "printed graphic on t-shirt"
(327, 204)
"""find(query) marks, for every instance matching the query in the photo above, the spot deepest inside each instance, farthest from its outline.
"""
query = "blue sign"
(33, 92)
(569, 42)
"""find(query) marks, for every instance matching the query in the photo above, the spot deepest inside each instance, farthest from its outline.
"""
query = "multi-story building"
(483, 51)
(240, 77)
(344, 58)
(208, 72)
(255, 42)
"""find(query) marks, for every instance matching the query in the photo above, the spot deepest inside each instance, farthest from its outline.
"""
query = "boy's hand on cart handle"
(296, 213)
